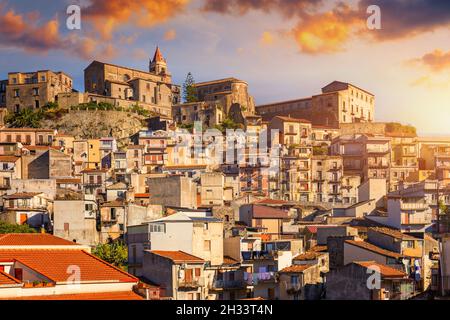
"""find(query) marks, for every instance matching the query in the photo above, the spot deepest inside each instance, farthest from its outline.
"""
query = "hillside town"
(215, 197)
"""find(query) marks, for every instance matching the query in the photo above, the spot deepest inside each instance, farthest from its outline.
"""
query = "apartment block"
(35, 89)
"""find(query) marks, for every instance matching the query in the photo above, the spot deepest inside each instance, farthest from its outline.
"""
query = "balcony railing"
(256, 255)
(414, 206)
(255, 278)
(193, 283)
(228, 284)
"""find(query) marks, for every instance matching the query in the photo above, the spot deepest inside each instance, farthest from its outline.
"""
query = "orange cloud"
(106, 16)
(326, 32)
(23, 31)
(15, 32)
(170, 35)
(266, 38)
(435, 61)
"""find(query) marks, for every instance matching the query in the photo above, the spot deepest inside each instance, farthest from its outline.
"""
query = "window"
(197, 272)
(43, 78)
(88, 207)
(207, 245)
(295, 280)
(36, 104)
(36, 91)
(205, 226)
(157, 227)
(16, 93)
(113, 214)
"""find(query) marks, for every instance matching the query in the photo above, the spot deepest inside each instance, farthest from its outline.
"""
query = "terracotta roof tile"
(374, 248)
(22, 195)
(318, 248)
(289, 119)
(142, 195)
(32, 239)
(229, 260)
(68, 180)
(296, 268)
(125, 295)
(264, 212)
(393, 233)
(8, 158)
(6, 279)
(308, 256)
(178, 256)
(386, 271)
(54, 264)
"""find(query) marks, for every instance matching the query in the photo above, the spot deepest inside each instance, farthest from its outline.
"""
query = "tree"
(115, 253)
(189, 92)
(15, 228)
(26, 118)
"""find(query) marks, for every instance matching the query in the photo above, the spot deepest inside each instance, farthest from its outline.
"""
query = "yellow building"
(87, 152)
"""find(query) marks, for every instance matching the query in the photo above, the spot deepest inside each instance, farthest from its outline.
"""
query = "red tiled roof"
(21, 195)
(296, 268)
(68, 180)
(26, 130)
(264, 212)
(393, 233)
(289, 119)
(386, 271)
(125, 295)
(314, 228)
(307, 256)
(55, 263)
(229, 260)
(32, 239)
(142, 195)
(8, 158)
(178, 256)
(6, 279)
(374, 248)
(318, 248)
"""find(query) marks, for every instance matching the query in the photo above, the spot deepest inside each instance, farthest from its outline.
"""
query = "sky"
(284, 49)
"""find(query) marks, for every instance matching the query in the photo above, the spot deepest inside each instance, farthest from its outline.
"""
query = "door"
(23, 218)
(188, 275)
(2, 268)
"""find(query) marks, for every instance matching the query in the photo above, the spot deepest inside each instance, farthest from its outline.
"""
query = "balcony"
(414, 206)
(254, 278)
(255, 255)
(228, 284)
(190, 284)
(378, 165)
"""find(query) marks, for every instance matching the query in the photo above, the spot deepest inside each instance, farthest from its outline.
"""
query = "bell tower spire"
(158, 65)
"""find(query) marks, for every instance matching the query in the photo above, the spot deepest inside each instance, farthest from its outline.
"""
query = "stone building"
(338, 103)
(295, 135)
(217, 100)
(46, 163)
(35, 89)
(175, 191)
(368, 156)
(327, 174)
(404, 159)
(125, 87)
